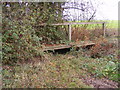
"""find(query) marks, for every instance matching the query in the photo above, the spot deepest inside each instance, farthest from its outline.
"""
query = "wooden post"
(69, 28)
(103, 29)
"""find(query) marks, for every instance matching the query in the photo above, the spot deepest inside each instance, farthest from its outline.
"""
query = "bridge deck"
(57, 47)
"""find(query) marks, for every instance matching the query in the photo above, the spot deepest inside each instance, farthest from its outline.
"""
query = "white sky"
(108, 9)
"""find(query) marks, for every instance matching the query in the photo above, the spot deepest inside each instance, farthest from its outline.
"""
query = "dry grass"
(111, 32)
(82, 34)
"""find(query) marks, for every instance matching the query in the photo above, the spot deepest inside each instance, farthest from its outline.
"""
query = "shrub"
(21, 40)
(101, 48)
(79, 33)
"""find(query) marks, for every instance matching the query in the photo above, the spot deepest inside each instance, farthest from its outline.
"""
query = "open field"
(109, 24)
(112, 24)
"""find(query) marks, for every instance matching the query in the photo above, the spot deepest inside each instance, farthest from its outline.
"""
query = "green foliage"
(21, 39)
(103, 64)
(51, 35)
(111, 70)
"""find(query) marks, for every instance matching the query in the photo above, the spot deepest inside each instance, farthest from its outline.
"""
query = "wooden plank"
(73, 23)
(52, 48)
(70, 32)
(57, 47)
(86, 44)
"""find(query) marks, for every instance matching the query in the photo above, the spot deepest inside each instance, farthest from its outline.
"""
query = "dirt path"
(100, 83)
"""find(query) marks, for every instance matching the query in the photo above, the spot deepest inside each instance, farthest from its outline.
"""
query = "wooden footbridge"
(78, 45)
(62, 46)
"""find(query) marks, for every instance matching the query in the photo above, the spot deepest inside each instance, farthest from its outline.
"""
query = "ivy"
(21, 39)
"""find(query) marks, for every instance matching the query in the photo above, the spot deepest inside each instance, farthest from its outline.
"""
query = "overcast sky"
(107, 9)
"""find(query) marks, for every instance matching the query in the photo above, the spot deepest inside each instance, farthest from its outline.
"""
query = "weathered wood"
(57, 47)
(70, 32)
(103, 26)
(52, 48)
(72, 23)
(85, 44)
(76, 23)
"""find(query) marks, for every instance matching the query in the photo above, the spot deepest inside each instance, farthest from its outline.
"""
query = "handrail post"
(69, 28)
(103, 26)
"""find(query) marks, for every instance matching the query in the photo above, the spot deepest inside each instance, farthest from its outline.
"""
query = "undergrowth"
(21, 40)
(62, 71)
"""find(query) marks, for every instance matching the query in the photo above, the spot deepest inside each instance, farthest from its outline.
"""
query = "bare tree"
(79, 10)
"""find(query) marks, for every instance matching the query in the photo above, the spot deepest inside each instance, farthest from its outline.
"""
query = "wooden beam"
(104, 31)
(57, 47)
(71, 23)
(76, 23)
(70, 32)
